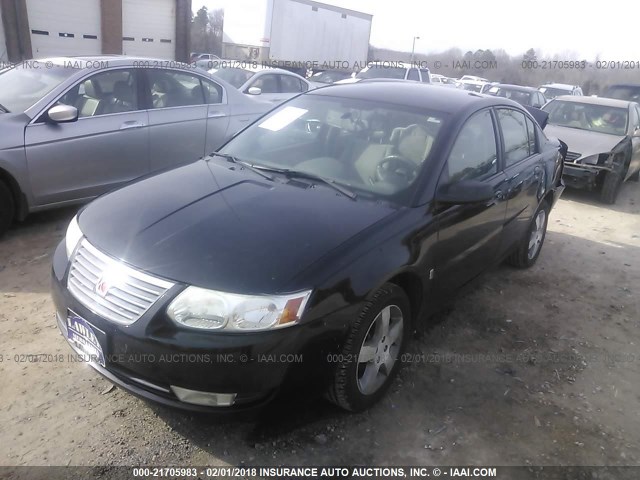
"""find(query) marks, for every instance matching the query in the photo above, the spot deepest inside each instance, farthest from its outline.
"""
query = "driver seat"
(412, 143)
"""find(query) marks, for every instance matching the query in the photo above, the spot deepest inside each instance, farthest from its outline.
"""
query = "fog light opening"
(204, 398)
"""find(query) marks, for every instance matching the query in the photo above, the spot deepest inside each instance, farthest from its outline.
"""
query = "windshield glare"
(235, 76)
(595, 118)
(22, 86)
(370, 147)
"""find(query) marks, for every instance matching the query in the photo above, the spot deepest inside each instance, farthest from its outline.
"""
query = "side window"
(267, 83)
(212, 91)
(290, 84)
(514, 133)
(474, 154)
(637, 110)
(413, 75)
(175, 89)
(426, 77)
(114, 91)
(531, 133)
(542, 99)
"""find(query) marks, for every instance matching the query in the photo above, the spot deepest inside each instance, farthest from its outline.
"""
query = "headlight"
(211, 310)
(74, 234)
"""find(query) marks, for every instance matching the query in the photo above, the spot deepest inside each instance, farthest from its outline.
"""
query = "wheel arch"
(413, 287)
(20, 202)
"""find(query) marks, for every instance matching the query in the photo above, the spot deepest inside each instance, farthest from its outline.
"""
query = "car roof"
(413, 94)
(604, 101)
(521, 88)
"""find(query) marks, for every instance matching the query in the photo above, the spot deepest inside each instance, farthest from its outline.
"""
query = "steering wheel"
(394, 168)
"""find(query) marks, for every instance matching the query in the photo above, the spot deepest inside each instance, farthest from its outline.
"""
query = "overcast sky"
(569, 28)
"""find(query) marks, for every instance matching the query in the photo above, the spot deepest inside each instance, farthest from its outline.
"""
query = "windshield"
(329, 77)
(630, 93)
(379, 71)
(373, 148)
(523, 98)
(22, 86)
(235, 76)
(595, 118)
(550, 93)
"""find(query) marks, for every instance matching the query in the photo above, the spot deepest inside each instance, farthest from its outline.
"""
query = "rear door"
(105, 147)
(469, 236)
(524, 171)
(178, 117)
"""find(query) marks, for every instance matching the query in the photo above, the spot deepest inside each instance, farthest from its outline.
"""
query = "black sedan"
(527, 96)
(309, 244)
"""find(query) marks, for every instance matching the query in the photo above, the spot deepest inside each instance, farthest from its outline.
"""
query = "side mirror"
(465, 192)
(254, 91)
(63, 114)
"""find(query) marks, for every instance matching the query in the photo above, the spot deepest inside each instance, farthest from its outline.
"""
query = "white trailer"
(287, 33)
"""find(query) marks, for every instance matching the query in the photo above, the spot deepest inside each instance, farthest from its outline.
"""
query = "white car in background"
(478, 86)
(473, 78)
(441, 80)
(390, 70)
(553, 90)
(273, 85)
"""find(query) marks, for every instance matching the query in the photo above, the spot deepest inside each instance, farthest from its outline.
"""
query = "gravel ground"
(536, 367)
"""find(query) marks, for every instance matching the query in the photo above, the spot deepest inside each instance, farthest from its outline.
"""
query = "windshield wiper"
(4, 109)
(232, 159)
(312, 176)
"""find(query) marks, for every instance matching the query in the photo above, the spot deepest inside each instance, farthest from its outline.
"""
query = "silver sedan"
(75, 128)
(273, 85)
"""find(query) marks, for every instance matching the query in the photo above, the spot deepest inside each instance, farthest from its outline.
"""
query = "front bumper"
(153, 354)
(577, 175)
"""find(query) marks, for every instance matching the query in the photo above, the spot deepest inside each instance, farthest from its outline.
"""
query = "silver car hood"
(584, 142)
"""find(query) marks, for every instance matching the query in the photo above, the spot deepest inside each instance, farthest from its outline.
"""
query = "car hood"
(583, 141)
(215, 225)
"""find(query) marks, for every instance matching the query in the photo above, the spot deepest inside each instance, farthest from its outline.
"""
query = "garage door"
(3, 44)
(64, 27)
(149, 28)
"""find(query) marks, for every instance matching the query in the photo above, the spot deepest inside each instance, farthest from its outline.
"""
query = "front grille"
(111, 289)
(572, 156)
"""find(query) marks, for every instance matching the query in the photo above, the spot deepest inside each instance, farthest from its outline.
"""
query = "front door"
(106, 147)
(469, 235)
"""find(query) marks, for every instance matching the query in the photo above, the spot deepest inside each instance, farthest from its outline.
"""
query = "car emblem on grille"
(102, 287)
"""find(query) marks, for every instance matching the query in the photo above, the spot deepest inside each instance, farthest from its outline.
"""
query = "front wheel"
(610, 187)
(529, 248)
(370, 358)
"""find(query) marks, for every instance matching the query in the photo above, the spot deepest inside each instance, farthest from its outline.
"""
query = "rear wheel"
(530, 246)
(7, 207)
(370, 358)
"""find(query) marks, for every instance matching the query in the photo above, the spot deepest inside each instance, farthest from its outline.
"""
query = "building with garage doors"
(45, 28)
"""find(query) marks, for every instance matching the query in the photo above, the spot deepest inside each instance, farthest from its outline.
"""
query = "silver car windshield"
(372, 148)
(23, 85)
(584, 116)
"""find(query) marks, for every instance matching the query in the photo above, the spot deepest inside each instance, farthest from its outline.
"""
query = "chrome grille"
(572, 156)
(111, 289)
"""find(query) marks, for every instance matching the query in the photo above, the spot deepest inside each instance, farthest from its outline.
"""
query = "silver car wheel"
(379, 350)
(537, 234)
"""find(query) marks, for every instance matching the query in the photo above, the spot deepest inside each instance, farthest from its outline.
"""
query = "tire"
(529, 248)
(7, 208)
(358, 384)
(610, 187)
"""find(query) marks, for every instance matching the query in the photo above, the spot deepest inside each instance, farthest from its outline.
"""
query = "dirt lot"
(536, 367)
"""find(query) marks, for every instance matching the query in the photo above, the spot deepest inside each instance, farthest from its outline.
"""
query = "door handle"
(131, 124)
(216, 115)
